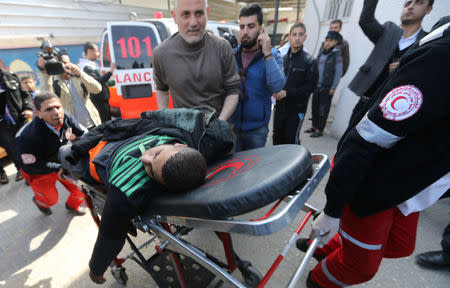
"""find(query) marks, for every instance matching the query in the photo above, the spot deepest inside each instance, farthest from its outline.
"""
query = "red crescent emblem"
(412, 100)
(395, 100)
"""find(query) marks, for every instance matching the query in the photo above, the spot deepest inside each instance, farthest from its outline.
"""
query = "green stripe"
(138, 185)
(125, 150)
(135, 168)
(124, 171)
(133, 180)
(122, 167)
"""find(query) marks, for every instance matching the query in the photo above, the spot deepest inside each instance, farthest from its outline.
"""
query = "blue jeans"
(251, 139)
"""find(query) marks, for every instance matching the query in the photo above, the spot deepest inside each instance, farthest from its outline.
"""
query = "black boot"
(303, 245)
(3, 177)
(433, 259)
(310, 283)
(19, 176)
(46, 211)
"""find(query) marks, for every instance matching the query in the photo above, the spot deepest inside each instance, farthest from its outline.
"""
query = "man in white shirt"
(391, 42)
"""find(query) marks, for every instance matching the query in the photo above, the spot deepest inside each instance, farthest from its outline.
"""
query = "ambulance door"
(131, 47)
(105, 65)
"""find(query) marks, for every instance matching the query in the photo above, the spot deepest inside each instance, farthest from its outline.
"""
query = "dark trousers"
(7, 140)
(445, 243)
(286, 127)
(321, 104)
(102, 106)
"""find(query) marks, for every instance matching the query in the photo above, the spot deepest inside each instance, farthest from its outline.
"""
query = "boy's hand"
(331, 92)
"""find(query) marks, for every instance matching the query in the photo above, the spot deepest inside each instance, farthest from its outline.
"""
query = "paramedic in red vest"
(37, 145)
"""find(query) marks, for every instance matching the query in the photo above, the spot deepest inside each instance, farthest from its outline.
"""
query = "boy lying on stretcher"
(138, 157)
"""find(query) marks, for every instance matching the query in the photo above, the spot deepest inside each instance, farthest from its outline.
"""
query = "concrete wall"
(70, 22)
(360, 46)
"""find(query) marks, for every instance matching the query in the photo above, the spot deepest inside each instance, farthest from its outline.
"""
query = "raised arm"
(370, 26)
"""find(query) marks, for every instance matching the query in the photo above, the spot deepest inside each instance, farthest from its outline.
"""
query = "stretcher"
(280, 178)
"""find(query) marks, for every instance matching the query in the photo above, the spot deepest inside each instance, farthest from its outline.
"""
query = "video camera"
(50, 54)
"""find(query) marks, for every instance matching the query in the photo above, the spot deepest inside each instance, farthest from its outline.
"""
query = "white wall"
(360, 46)
(69, 21)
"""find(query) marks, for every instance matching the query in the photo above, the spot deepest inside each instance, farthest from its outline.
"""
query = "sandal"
(3, 178)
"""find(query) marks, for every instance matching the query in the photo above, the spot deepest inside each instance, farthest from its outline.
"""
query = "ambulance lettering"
(133, 77)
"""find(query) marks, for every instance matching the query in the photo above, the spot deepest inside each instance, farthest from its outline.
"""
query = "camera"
(50, 54)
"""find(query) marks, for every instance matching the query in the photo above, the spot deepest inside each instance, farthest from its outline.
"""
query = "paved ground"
(53, 251)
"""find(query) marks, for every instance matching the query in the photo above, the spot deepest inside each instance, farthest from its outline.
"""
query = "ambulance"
(130, 46)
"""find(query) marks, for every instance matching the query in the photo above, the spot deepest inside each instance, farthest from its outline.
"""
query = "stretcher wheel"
(251, 275)
(120, 275)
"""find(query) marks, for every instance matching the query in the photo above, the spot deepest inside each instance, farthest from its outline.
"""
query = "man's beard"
(248, 43)
(192, 40)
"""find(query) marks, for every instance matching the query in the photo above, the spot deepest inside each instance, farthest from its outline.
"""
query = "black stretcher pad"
(240, 183)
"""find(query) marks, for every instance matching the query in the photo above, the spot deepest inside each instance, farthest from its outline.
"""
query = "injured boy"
(136, 158)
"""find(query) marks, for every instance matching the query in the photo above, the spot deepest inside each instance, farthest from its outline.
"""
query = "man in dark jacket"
(344, 47)
(89, 65)
(15, 108)
(391, 42)
(302, 75)
(38, 143)
(330, 72)
(385, 172)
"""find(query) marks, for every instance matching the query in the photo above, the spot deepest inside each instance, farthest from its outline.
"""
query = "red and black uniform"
(37, 156)
(391, 165)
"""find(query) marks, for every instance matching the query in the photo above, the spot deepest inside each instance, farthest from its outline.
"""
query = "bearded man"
(197, 68)
(261, 74)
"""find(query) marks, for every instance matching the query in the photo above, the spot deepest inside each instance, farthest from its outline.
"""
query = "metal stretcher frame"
(269, 224)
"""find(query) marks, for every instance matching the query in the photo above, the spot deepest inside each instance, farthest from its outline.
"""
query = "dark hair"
(337, 21)
(185, 170)
(252, 9)
(41, 97)
(297, 25)
(23, 78)
(88, 46)
(430, 3)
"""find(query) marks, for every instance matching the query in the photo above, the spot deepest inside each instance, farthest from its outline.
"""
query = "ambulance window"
(222, 30)
(136, 91)
(235, 33)
(133, 46)
(162, 29)
(106, 55)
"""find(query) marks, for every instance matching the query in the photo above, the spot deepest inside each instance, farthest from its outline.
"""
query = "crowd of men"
(239, 83)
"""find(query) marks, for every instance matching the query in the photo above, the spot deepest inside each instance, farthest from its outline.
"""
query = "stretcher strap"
(92, 154)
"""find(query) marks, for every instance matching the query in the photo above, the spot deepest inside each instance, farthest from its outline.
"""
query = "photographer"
(15, 108)
(89, 65)
(73, 88)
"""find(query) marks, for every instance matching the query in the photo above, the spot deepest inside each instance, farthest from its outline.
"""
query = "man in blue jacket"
(261, 71)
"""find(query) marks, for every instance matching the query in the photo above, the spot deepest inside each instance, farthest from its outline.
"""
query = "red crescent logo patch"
(229, 169)
(28, 159)
(401, 103)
